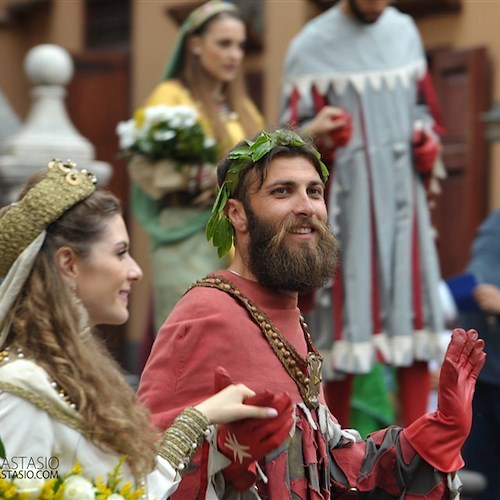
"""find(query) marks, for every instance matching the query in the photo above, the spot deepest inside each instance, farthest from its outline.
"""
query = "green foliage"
(167, 132)
(187, 146)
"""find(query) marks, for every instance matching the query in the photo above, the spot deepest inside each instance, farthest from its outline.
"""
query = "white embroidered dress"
(51, 438)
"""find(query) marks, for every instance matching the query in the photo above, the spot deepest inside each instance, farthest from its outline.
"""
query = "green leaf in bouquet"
(163, 134)
(2, 449)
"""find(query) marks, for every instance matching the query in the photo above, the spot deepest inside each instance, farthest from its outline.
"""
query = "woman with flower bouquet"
(69, 423)
(188, 123)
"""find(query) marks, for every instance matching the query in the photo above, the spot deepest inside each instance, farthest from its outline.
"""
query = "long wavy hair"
(195, 78)
(46, 325)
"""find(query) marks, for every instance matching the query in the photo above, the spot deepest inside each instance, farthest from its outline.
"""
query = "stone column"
(48, 132)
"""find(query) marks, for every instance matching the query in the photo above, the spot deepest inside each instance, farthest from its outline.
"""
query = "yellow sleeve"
(252, 109)
(171, 93)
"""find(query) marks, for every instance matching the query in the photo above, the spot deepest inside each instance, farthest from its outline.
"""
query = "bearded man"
(245, 319)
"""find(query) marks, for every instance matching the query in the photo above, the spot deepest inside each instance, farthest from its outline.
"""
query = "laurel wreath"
(219, 228)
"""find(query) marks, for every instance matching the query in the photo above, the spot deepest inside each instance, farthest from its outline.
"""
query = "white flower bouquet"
(73, 486)
(169, 151)
(172, 132)
(27, 484)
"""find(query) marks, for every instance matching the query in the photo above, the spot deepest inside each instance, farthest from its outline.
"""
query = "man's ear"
(66, 262)
(237, 215)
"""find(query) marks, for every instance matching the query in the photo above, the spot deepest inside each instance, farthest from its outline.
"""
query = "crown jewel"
(63, 186)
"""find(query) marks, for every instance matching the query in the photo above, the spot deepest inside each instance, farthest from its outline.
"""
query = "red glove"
(247, 441)
(342, 135)
(438, 437)
(425, 151)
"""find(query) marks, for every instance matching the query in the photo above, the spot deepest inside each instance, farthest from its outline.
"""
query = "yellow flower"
(76, 469)
(47, 492)
(139, 117)
(7, 489)
(127, 491)
(73, 486)
(102, 490)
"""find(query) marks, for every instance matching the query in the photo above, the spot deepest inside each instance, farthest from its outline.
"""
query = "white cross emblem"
(239, 450)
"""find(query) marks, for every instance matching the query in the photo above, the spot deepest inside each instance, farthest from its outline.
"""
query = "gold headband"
(62, 187)
(204, 12)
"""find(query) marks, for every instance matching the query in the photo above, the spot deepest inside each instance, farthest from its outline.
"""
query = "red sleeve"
(427, 96)
(386, 462)
(188, 347)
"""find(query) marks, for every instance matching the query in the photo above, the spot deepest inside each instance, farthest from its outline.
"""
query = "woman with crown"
(65, 267)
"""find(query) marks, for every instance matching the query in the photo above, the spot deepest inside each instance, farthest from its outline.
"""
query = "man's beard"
(297, 267)
(360, 15)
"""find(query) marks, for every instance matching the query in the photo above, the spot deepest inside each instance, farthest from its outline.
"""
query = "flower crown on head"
(219, 228)
(63, 186)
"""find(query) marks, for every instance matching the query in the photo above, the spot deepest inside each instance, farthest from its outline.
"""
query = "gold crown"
(204, 12)
(62, 187)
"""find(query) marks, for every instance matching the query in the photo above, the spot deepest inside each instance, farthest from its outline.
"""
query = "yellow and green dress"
(180, 252)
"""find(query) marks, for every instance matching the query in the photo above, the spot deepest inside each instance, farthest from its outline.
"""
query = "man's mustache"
(292, 224)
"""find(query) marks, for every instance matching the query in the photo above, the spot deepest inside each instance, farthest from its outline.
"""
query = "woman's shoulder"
(170, 92)
(21, 371)
(27, 379)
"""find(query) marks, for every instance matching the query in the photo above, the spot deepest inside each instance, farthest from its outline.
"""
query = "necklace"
(225, 112)
(63, 394)
(8, 355)
(306, 372)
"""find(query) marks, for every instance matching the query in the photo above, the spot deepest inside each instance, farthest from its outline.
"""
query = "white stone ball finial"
(48, 64)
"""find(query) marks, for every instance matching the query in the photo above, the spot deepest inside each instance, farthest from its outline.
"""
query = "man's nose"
(304, 205)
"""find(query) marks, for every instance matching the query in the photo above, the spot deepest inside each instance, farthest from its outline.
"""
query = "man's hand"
(331, 125)
(488, 298)
(438, 437)
(462, 363)
(425, 151)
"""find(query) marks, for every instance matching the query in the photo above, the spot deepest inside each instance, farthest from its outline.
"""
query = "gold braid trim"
(306, 372)
(71, 420)
(180, 441)
(62, 187)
